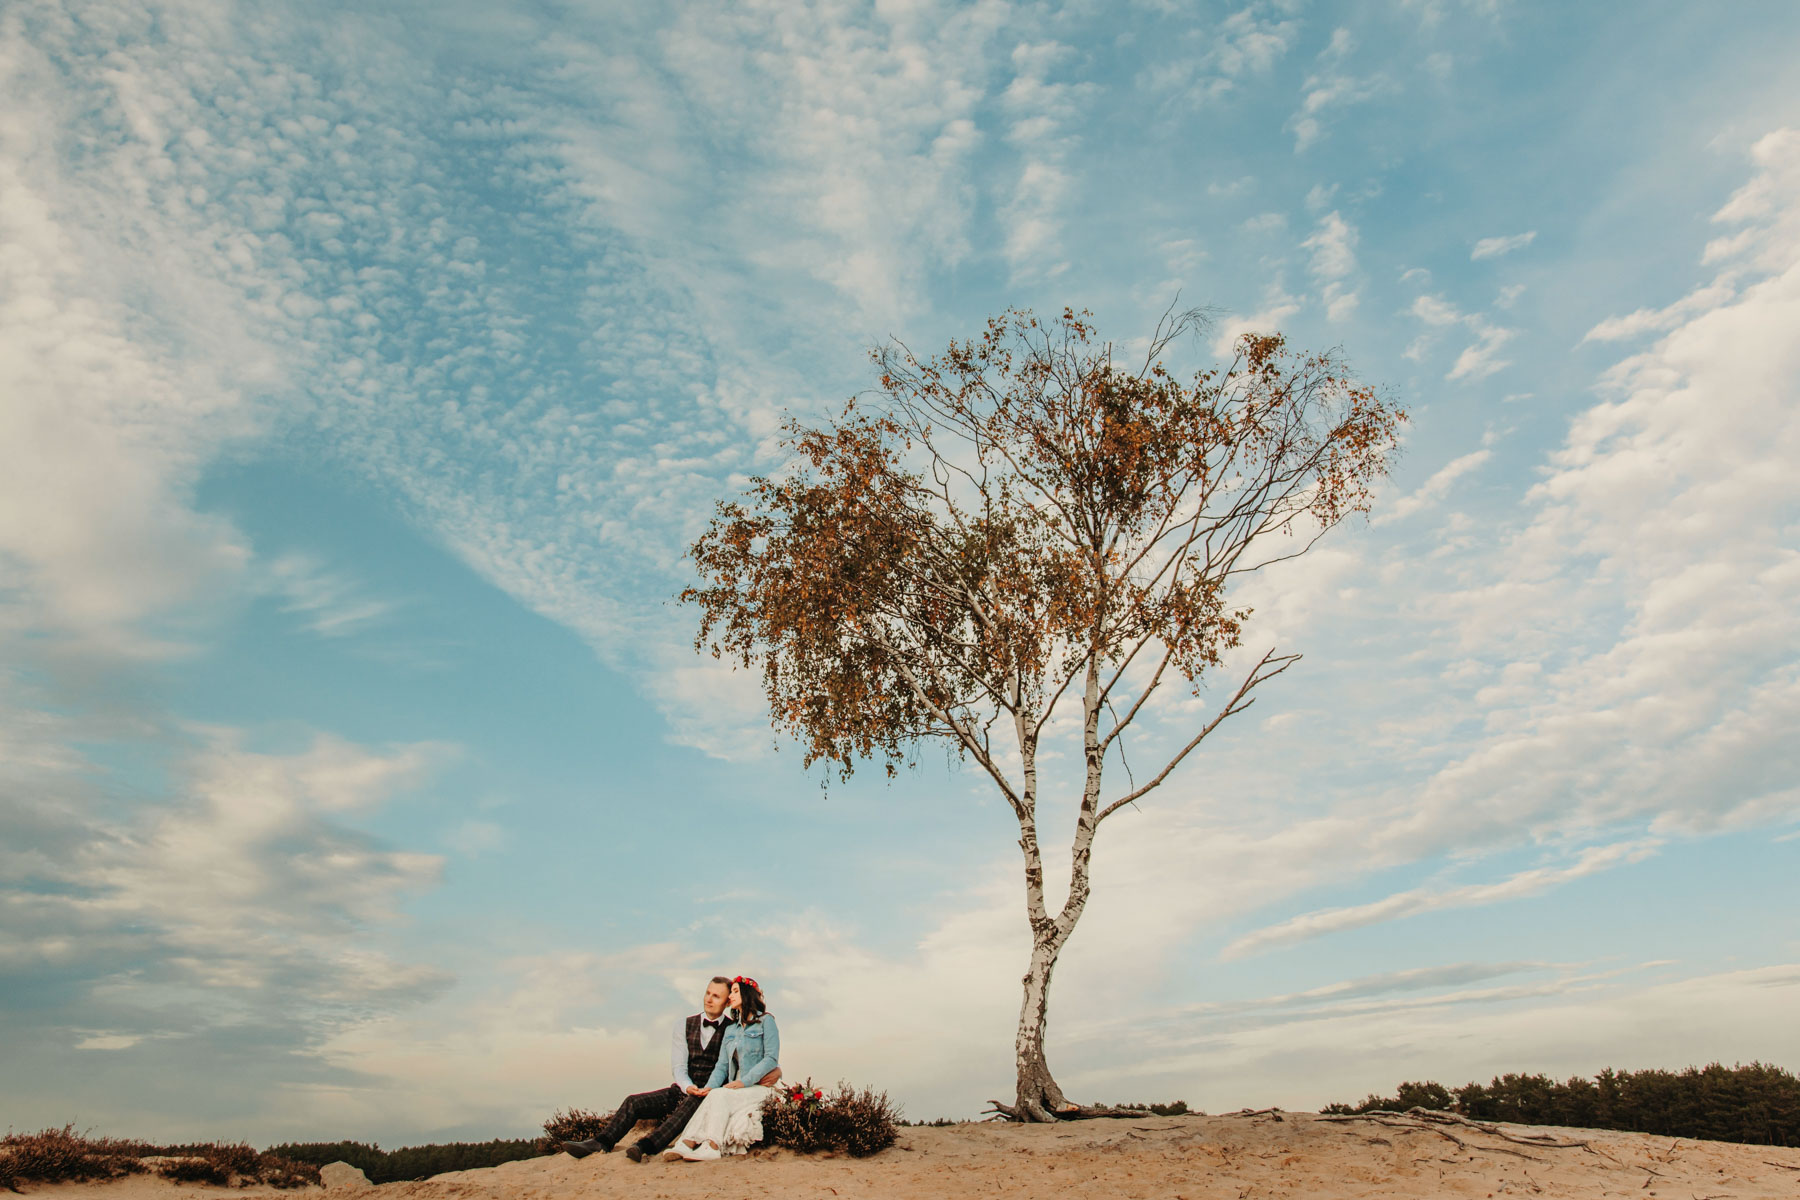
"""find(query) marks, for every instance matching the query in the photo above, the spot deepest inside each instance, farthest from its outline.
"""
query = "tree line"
(411, 1162)
(1757, 1104)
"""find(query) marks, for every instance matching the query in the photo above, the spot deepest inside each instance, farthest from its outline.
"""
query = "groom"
(693, 1051)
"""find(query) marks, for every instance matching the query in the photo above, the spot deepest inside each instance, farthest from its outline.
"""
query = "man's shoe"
(635, 1152)
(585, 1147)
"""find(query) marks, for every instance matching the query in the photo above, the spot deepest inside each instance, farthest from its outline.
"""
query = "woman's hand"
(736, 1083)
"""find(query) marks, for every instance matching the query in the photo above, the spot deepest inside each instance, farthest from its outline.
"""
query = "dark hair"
(720, 979)
(751, 1006)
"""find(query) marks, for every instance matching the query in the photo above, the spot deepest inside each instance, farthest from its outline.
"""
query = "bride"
(729, 1120)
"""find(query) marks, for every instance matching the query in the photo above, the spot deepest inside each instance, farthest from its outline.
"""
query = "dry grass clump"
(846, 1120)
(64, 1156)
(575, 1125)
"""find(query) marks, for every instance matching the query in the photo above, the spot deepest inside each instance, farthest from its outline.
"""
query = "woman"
(729, 1120)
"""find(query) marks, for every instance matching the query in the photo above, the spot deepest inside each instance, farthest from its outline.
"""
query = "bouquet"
(803, 1095)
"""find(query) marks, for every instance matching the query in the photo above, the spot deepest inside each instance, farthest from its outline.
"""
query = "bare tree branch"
(1236, 704)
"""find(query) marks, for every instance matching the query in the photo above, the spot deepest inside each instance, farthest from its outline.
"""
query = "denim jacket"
(749, 1053)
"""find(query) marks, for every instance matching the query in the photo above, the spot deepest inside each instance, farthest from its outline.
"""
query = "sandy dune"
(1165, 1158)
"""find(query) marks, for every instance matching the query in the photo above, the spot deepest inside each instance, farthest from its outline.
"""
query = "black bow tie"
(712, 1024)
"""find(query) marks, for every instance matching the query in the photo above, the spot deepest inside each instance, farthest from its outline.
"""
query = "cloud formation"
(1494, 247)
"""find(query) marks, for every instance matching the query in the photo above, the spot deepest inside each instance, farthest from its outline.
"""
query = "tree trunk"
(1038, 1098)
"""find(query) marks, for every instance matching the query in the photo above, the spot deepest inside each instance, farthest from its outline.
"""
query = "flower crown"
(748, 980)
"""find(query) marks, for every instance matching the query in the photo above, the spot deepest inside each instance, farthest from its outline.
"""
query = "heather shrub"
(62, 1155)
(195, 1170)
(224, 1165)
(1174, 1108)
(574, 1125)
(275, 1170)
(848, 1121)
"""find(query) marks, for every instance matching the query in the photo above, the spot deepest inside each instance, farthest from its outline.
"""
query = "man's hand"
(695, 1091)
(771, 1079)
(736, 1083)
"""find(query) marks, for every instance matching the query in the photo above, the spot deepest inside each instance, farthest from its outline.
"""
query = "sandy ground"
(1165, 1158)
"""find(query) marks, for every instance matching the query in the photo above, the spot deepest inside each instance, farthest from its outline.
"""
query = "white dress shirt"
(678, 1064)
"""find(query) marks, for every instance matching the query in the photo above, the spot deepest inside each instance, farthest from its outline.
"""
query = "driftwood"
(1435, 1121)
(1078, 1112)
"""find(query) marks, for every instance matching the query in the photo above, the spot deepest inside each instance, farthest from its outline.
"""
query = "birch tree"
(1021, 527)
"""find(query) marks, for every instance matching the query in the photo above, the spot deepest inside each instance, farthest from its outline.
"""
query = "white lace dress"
(729, 1117)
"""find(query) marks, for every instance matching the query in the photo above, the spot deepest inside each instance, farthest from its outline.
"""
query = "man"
(693, 1050)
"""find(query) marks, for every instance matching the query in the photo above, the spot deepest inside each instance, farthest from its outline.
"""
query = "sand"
(1156, 1158)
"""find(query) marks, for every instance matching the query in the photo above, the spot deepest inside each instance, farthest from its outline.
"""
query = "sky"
(365, 371)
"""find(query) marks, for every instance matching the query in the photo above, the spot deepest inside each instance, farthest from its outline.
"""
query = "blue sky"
(364, 373)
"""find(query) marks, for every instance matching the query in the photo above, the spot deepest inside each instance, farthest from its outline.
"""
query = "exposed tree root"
(1075, 1112)
(1435, 1121)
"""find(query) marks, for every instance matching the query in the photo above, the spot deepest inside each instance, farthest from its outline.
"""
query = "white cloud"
(327, 603)
(1420, 900)
(1767, 198)
(1277, 307)
(1434, 310)
(1573, 1024)
(1339, 302)
(1479, 359)
(1434, 488)
(106, 423)
(1333, 247)
(1645, 320)
(1324, 93)
(1656, 566)
(1211, 63)
(242, 901)
(1040, 111)
(1482, 359)
(1494, 247)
